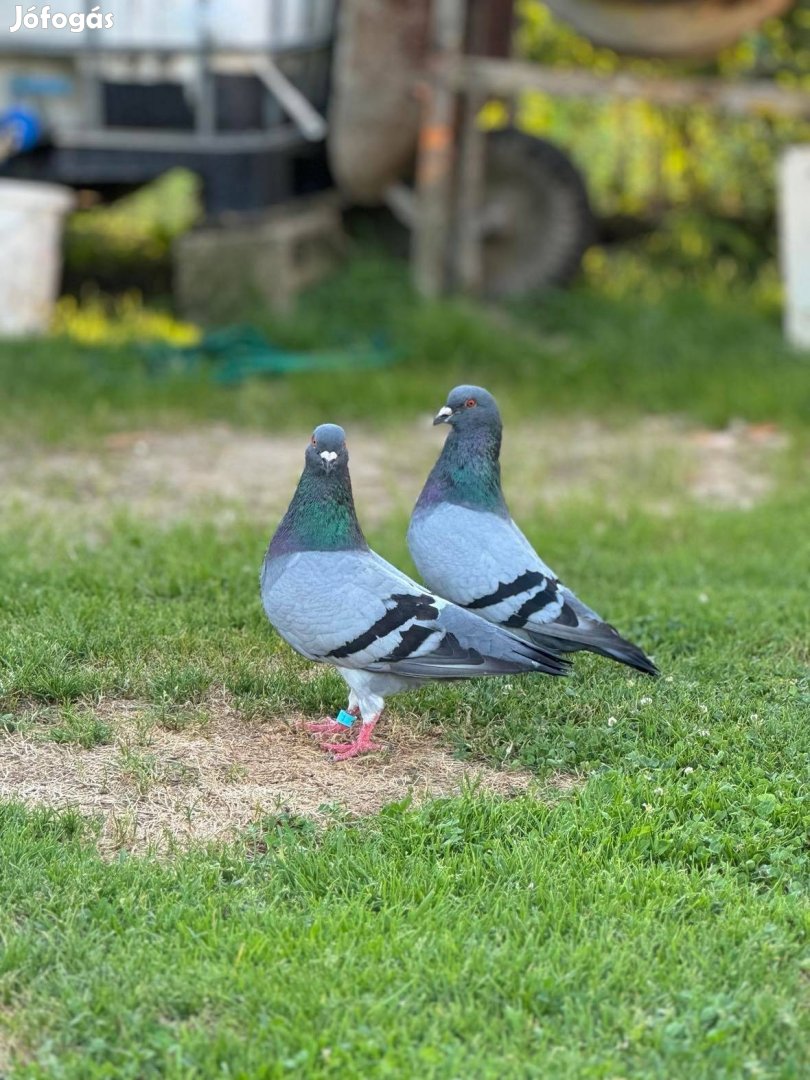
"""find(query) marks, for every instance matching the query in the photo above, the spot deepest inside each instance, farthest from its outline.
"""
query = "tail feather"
(601, 638)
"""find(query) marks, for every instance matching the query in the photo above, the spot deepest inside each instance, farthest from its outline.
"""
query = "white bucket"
(31, 217)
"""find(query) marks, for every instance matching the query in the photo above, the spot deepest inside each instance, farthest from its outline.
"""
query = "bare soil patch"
(163, 475)
(731, 466)
(157, 790)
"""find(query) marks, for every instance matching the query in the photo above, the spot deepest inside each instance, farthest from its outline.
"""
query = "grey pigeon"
(467, 547)
(337, 602)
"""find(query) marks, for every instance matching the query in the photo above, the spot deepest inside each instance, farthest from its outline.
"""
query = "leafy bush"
(706, 180)
(128, 242)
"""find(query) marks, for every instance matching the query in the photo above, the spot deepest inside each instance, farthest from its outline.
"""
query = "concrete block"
(223, 272)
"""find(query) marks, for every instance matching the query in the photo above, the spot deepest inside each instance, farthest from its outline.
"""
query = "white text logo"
(45, 19)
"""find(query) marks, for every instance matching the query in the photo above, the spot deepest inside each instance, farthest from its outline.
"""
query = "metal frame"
(90, 49)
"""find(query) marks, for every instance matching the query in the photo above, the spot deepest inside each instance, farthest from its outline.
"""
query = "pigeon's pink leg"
(361, 745)
(329, 726)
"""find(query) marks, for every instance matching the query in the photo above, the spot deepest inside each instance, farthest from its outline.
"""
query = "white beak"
(328, 456)
(442, 414)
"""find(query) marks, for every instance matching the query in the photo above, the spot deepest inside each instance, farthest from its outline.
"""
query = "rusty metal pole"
(436, 152)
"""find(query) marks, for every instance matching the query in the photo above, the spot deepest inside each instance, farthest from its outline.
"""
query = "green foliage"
(118, 320)
(636, 342)
(779, 49)
(643, 160)
(689, 252)
(131, 238)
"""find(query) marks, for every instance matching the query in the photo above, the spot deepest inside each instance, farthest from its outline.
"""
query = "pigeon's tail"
(578, 627)
(601, 638)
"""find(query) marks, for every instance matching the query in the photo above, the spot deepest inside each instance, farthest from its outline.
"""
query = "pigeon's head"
(327, 448)
(468, 407)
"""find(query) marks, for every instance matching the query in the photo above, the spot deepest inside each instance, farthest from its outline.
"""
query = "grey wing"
(485, 563)
(459, 645)
(354, 610)
(342, 607)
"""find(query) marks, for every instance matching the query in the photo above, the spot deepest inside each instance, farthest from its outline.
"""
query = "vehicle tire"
(536, 219)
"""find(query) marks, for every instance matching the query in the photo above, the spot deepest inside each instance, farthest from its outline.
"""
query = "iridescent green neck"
(321, 516)
(468, 472)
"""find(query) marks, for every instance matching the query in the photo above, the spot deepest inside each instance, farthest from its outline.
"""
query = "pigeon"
(335, 601)
(467, 547)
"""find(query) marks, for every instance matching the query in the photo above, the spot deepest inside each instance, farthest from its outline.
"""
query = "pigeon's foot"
(328, 725)
(361, 745)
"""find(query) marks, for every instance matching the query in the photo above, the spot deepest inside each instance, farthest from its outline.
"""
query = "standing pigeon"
(467, 547)
(337, 602)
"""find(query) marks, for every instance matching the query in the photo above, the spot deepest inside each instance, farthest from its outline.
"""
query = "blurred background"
(214, 158)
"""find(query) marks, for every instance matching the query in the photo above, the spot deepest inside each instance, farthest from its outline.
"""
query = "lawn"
(637, 908)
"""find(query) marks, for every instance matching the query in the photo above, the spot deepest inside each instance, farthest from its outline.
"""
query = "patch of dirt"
(729, 467)
(156, 790)
(163, 475)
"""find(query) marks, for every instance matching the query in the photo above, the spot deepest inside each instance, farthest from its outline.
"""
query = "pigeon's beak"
(443, 415)
(328, 457)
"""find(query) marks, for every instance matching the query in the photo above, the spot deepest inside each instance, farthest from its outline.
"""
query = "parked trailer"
(232, 89)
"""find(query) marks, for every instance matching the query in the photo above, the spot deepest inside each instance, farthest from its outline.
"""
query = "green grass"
(652, 922)
(81, 727)
(579, 351)
(164, 615)
(470, 938)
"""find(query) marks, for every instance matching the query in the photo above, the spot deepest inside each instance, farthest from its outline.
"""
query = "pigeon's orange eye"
(470, 402)
(314, 441)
